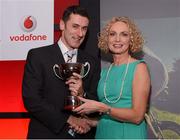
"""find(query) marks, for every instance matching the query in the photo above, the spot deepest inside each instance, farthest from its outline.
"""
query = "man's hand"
(75, 85)
(80, 125)
(92, 121)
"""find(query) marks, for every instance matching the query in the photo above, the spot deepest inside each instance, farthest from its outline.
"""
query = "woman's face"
(119, 38)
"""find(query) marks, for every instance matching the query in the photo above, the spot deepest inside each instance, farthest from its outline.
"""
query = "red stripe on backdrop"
(11, 73)
(60, 6)
(13, 128)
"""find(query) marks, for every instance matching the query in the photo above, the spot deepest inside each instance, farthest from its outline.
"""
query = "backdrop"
(159, 20)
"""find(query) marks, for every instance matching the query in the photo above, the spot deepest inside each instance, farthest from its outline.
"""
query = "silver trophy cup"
(65, 71)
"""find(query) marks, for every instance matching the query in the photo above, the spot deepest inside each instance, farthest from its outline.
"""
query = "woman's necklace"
(122, 85)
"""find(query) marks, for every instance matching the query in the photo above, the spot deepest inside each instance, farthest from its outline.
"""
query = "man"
(44, 93)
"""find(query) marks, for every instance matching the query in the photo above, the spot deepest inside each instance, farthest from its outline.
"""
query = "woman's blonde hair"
(136, 38)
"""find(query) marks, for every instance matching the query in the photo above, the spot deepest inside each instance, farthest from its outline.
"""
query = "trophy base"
(70, 107)
(71, 102)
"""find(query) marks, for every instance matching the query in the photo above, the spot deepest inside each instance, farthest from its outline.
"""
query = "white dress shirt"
(64, 51)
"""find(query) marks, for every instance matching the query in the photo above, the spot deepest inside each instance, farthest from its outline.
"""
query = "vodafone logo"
(28, 23)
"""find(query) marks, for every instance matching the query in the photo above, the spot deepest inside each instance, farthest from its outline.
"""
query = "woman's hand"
(89, 106)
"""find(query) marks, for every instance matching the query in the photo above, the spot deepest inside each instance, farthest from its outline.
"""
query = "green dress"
(109, 128)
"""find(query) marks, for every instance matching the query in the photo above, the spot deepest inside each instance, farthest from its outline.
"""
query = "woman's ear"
(62, 25)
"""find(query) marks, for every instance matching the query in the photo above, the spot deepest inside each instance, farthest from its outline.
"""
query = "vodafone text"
(29, 37)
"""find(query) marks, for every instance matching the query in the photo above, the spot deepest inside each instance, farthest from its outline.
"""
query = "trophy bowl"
(67, 69)
(64, 72)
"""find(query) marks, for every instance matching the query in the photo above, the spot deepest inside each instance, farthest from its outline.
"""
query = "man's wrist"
(81, 92)
(84, 94)
(69, 120)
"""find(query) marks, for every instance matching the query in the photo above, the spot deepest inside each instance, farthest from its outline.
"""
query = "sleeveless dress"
(109, 128)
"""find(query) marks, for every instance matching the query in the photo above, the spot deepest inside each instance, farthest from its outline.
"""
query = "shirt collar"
(64, 49)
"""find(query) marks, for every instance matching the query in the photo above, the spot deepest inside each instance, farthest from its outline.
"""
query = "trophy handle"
(86, 65)
(54, 69)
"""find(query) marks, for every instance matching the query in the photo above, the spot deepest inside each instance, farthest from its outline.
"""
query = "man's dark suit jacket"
(44, 93)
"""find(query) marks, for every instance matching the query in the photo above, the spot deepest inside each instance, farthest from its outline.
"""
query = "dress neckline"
(125, 64)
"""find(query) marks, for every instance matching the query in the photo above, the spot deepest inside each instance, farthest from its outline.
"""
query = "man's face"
(74, 30)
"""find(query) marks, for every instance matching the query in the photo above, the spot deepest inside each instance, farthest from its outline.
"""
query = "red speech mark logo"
(28, 23)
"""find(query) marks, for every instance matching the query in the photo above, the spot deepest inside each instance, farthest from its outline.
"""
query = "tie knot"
(70, 55)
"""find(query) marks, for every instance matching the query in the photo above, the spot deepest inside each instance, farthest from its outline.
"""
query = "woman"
(124, 87)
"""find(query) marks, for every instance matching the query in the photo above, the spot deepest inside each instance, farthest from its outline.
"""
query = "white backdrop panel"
(15, 40)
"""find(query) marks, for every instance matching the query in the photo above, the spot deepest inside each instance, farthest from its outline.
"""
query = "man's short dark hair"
(75, 9)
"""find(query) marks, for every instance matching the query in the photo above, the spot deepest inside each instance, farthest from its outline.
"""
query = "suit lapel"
(57, 54)
(80, 57)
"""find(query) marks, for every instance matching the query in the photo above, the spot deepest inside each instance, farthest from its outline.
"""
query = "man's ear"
(62, 25)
